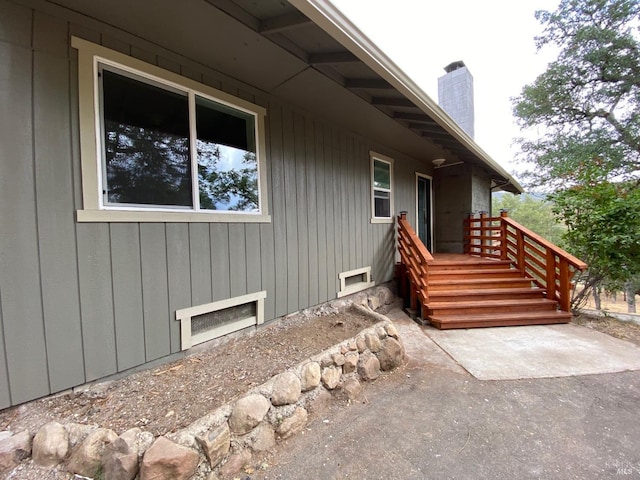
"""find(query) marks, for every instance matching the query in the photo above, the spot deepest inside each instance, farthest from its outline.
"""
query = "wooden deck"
(507, 276)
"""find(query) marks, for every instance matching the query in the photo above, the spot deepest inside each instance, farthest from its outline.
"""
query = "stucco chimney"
(455, 95)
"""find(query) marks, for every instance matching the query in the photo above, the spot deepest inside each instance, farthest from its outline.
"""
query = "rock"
(292, 425)
(216, 443)
(247, 413)
(236, 462)
(165, 459)
(368, 366)
(373, 342)
(286, 389)
(338, 359)
(352, 389)
(310, 376)
(261, 438)
(352, 345)
(361, 345)
(138, 440)
(381, 332)
(326, 361)
(391, 355)
(319, 403)
(392, 331)
(373, 302)
(13, 449)
(50, 445)
(86, 460)
(331, 377)
(350, 362)
(387, 296)
(77, 433)
(187, 436)
(121, 459)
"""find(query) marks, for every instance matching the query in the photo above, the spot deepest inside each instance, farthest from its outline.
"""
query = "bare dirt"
(170, 397)
(616, 328)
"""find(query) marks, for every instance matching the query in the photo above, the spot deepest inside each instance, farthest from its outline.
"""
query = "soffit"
(197, 30)
(324, 54)
(276, 48)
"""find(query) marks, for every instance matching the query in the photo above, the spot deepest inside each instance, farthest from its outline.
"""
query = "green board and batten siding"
(79, 302)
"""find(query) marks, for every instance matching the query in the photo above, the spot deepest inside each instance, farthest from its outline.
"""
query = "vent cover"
(355, 281)
(205, 322)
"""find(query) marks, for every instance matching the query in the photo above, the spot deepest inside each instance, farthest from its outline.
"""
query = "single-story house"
(174, 171)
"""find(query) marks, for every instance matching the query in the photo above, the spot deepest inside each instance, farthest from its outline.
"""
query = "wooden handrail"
(546, 264)
(573, 261)
(416, 258)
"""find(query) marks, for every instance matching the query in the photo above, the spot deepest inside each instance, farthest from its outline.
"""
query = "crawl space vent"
(206, 322)
(354, 281)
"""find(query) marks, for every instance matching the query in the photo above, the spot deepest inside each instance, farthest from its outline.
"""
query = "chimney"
(455, 95)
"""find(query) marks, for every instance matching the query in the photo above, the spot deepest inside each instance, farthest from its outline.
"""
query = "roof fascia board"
(328, 17)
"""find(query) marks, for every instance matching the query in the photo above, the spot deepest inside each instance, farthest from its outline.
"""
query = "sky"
(494, 38)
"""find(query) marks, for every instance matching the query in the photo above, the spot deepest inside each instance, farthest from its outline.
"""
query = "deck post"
(504, 252)
(467, 233)
(551, 276)
(565, 286)
(520, 247)
(485, 243)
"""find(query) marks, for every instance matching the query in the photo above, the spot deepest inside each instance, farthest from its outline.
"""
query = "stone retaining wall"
(225, 441)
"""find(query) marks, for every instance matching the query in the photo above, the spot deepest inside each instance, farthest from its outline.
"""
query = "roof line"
(328, 17)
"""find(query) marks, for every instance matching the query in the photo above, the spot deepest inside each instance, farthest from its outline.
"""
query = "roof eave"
(328, 17)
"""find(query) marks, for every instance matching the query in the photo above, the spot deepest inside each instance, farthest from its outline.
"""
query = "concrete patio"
(543, 351)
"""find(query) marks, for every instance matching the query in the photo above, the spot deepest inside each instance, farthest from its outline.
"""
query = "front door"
(423, 222)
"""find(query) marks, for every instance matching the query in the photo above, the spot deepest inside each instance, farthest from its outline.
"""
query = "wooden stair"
(471, 292)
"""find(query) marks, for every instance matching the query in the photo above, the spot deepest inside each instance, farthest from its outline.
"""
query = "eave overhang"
(412, 107)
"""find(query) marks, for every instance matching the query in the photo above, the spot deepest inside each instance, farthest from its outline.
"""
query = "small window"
(165, 148)
(381, 188)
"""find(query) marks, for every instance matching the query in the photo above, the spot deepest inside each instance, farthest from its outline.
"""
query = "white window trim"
(184, 316)
(383, 158)
(89, 56)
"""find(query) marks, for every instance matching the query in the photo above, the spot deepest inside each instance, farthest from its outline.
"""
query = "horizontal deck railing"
(551, 267)
(415, 257)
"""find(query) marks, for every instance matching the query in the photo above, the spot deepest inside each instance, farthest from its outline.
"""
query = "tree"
(586, 108)
(534, 213)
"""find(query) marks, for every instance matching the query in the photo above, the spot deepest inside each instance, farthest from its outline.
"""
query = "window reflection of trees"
(148, 159)
(147, 166)
(220, 188)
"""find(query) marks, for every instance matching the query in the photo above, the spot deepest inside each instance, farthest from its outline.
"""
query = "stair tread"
(486, 291)
(480, 281)
(500, 316)
(475, 271)
(478, 261)
(491, 303)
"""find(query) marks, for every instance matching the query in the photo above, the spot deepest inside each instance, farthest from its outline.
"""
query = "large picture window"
(166, 148)
(381, 188)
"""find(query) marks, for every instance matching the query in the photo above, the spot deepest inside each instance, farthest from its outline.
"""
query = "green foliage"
(604, 228)
(587, 103)
(533, 213)
(581, 119)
